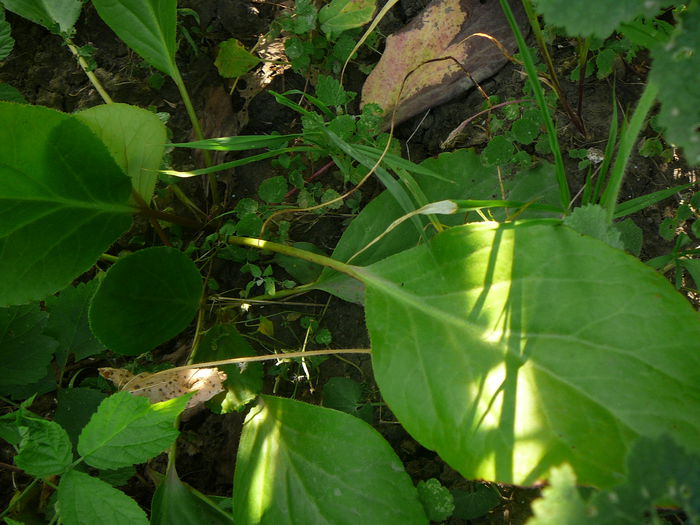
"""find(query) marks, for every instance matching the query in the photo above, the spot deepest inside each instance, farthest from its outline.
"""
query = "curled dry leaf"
(167, 384)
(444, 29)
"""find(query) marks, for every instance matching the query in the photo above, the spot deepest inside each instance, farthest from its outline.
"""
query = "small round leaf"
(145, 299)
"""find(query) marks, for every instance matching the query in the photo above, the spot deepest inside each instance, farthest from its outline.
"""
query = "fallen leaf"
(438, 32)
(168, 384)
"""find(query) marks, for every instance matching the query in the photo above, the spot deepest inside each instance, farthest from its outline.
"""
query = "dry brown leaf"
(168, 384)
(438, 32)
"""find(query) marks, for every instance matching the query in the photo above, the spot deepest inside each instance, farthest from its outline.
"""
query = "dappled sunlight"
(258, 496)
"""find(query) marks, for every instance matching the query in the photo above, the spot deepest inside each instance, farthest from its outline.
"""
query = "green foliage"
(675, 71)
(243, 383)
(26, 351)
(6, 40)
(522, 353)
(175, 503)
(10, 94)
(340, 15)
(135, 138)
(57, 216)
(107, 504)
(345, 394)
(436, 499)
(362, 480)
(145, 299)
(234, 60)
(584, 18)
(659, 473)
(484, 336)
(146, 26)
(59, 16)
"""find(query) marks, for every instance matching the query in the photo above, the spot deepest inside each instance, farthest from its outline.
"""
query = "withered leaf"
(438, 32)
(168, 384)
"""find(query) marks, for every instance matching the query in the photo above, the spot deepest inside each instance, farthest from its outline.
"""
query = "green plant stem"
(271, 357)
(629, 139)
(196, 126)
(295, 252)
(564, 191)
(109, 258)
(86, 69)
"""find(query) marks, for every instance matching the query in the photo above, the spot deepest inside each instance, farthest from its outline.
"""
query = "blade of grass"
(629, 138)
(526, 55)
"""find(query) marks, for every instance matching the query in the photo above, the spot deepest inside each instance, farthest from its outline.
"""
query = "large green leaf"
(512, 348)
(63, 201)
(56, 15)
(299, 463)
(145, 299)
(594, 17)
(676, 70)
(659, 473)
(84, 499)
(135, 138)
(146, 26)
(127, 429)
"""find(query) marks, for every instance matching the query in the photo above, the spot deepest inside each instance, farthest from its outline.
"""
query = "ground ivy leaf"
(25, 352)
(594, 17)
(145, 299)
(63, 201)
(676, 71)
(127, 429)
(273, 189)
(299, 463)
(68, 322)
(86, 499)
(485, 338)
(45, 449)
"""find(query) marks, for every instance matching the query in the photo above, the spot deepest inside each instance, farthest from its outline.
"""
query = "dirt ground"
(46, 74)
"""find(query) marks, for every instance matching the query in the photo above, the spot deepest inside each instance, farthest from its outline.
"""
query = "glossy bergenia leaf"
(300, 463)
(135, 138)
(145, 299)
(63, 201)
(510, 349)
